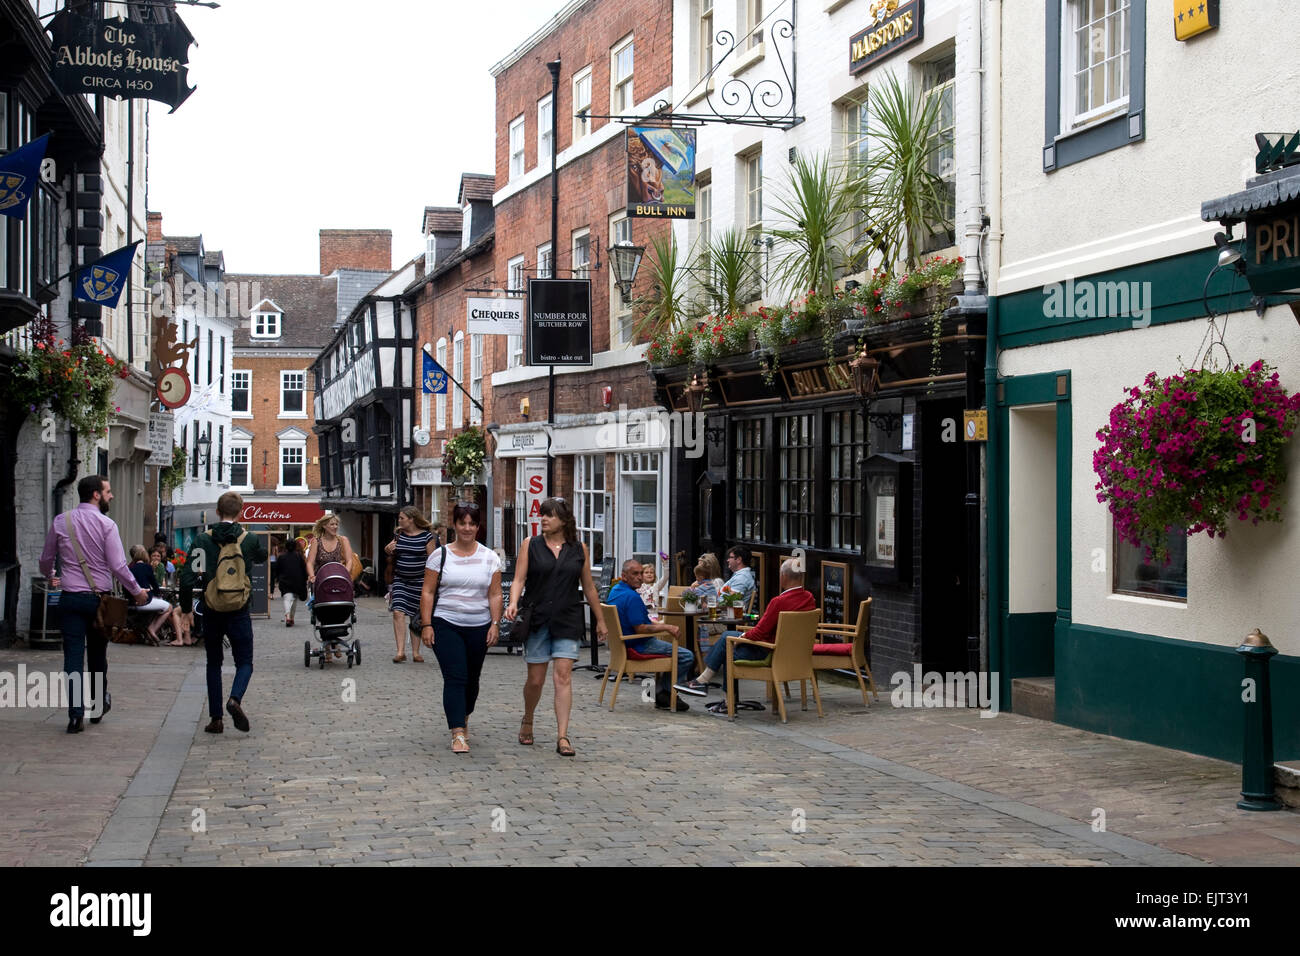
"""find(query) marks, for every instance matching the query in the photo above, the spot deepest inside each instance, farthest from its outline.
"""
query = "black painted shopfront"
(875, 494)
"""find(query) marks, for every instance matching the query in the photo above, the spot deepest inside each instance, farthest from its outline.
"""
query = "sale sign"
(532, 481)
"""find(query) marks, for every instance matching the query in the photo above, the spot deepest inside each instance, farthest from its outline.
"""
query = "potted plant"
(462, 459)
(729, 602)
(75, 380)
(1191, 451)
(690, 602)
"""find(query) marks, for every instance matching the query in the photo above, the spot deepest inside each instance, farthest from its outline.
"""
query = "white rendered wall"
(1244, 581)
(1205, 100)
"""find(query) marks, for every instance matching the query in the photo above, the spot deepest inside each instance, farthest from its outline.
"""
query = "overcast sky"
(314, 114)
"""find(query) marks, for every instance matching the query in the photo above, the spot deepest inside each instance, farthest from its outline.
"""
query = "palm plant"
(664, 310)
(818, 203)
(728, 273)
(901, 196)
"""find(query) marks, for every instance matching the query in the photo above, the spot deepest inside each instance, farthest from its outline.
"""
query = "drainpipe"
(74, 462)
(993, 449)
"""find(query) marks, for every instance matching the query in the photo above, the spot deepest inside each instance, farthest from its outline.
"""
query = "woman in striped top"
(410, 549)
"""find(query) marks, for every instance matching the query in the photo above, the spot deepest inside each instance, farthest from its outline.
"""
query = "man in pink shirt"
(101, 547)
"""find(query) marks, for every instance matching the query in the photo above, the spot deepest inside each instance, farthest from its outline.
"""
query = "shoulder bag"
(416, 624)
(111, 611)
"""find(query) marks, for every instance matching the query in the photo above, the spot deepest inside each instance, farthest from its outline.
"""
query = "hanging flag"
(435, 376)
(20, 171)
(103, 280)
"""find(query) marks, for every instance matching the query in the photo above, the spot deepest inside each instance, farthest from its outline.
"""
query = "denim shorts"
(541, 647)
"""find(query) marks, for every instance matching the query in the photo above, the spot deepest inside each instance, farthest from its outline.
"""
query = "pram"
(333, 612)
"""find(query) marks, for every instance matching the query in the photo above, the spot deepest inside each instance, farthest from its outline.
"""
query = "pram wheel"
(323, 654)
(306, 653)
(356, 651)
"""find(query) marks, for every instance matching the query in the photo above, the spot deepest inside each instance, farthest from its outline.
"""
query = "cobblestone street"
(320, 780)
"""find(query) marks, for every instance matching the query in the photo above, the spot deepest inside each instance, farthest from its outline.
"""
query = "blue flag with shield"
(435, 376)
(20, 174)
(103, 280)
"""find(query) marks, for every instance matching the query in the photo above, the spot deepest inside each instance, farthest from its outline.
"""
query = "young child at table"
(705, 586)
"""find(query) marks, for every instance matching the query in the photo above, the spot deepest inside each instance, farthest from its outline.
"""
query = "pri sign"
(559, 321)
(122, 58)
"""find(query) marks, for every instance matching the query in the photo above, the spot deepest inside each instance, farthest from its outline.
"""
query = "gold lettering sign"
(1277, 239)
(897, 25)
(818, 380)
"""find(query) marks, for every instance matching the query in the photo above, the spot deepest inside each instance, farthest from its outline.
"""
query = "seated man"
(742, 575)
(793, 597)
(635, 622)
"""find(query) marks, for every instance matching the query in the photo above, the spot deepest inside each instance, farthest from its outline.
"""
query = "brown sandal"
(565, 749)
(418, 659)
(399, 659)
(526, 736)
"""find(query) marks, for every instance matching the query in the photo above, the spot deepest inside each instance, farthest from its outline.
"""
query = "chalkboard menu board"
(835, 592)
(259, 601)
(606, 578)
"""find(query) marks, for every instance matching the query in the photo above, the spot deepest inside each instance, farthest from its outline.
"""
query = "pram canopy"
(333, 584)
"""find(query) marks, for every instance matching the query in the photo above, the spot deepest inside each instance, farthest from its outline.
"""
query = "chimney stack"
(370, 249)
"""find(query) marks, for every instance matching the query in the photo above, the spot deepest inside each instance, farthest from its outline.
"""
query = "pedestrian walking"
(460, 607)
(327, 545)
(550, 569)
(219, 564)
(293, 578)
(89, 549)
(409, 551)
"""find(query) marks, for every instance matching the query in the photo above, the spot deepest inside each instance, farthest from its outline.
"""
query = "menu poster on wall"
(835, 591)
(884, 533)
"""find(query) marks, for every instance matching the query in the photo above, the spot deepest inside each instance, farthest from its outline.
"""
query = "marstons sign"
(894, 26)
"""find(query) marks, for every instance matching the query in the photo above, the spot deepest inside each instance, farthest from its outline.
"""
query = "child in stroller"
(333, 612)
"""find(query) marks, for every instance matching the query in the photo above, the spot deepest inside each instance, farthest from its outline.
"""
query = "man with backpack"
(219, 564)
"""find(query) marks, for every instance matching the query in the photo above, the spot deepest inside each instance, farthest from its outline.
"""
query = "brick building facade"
(458, 263)
(616, 60)
(274, 459)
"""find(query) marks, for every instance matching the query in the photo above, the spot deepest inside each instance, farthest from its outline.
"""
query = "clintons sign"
(281, 512)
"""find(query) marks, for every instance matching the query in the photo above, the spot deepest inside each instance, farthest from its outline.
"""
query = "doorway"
(944, 589)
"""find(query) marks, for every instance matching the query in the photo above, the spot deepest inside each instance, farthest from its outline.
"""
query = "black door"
(943, 536)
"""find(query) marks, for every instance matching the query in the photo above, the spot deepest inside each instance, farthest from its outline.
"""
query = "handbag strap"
(81, 558)
(442, 571)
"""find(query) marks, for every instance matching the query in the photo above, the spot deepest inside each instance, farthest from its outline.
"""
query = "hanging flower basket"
(1191, 451)
(463, 457)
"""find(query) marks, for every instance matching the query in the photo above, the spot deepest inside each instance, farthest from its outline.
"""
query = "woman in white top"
(459, 610)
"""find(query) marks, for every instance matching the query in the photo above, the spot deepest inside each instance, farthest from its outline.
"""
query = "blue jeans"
(652, 645)
(77, 611)
(238, 626)
(460, 651)
(717, 659)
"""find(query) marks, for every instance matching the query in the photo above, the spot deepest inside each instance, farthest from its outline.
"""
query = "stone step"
(1287, 777)
(1034, 697)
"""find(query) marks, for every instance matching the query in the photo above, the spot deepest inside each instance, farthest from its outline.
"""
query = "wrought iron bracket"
(739, 103)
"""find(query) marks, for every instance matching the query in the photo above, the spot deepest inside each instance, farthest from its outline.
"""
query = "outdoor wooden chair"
(850, 650)
(623, 660)
(791, 659)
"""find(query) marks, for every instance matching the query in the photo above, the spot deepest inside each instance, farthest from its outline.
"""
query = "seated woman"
(142, 571)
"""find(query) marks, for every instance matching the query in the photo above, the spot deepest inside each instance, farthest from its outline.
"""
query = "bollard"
(1257, 751)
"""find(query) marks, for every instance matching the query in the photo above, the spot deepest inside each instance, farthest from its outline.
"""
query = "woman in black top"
(291, 572)
(142, 571)
(553, 565)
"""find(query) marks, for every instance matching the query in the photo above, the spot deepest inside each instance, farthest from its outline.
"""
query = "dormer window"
(265, 320)
(430, 252)
(466, 224)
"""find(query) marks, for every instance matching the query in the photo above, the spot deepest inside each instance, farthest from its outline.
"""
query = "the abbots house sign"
(122, 58)
(894, 26)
